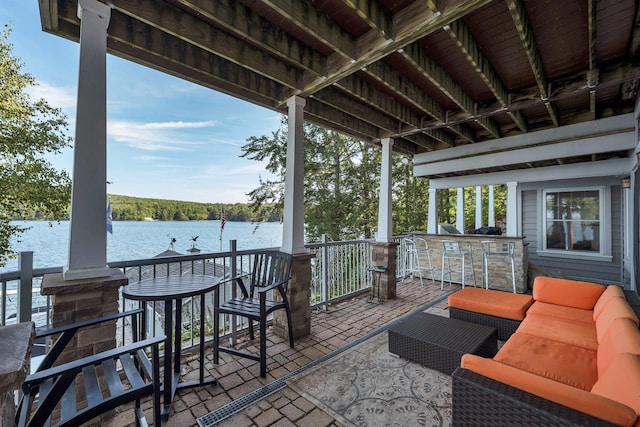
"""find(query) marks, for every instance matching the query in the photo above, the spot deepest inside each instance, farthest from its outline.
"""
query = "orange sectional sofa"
(574, 360)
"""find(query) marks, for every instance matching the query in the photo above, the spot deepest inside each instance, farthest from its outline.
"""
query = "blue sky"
(167, 138)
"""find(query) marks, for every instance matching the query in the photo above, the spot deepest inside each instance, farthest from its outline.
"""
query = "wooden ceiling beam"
(523, 26)
(373, 14)
(172, 20)
(351, 107)
(244, 24)
(411, 94)
(388, 105)
(342, 121)
(614, 75)
(410, 24)
(443, 81)
(463, 38)
(305, 16)
(162, 51)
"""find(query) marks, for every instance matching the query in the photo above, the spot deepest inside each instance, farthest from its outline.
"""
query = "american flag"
(223, 220)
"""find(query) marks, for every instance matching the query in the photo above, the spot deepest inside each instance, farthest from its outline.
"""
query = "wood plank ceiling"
(433, 74)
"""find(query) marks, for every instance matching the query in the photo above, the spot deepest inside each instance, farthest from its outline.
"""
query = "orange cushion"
(621, 381)
(612, 291)
(568, 364)
(571, 293)
(613, 309)
(561, 312)
(580, 334)
(622, 336)
(572, 397)
(491, 302)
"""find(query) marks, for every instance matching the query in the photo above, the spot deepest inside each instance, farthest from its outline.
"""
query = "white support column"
(478, 207)
(492, 212)
(432, 219)
(385, 221)
(460, 210)
(293, 224)
(87, 229)
(512, 209)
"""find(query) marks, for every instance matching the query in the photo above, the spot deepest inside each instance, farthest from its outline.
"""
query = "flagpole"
(222, 221)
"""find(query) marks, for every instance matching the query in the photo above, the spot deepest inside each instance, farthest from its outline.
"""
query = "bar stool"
(414, 249)
(453, 251)
(498, 251)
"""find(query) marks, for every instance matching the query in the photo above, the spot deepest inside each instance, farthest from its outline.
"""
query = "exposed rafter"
(410, 24)
(248, 26)
(523, 26)
(196, 32)
(464, 40)
(439, 77)
(413, 95)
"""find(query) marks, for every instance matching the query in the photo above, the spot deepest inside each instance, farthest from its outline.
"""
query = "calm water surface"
(142, 239)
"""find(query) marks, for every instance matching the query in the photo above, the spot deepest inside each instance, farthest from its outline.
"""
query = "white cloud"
(180, 125)
(156, 136)
(63, 97)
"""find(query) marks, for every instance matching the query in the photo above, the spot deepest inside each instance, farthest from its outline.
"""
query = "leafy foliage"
(342, 181)
(29, 130)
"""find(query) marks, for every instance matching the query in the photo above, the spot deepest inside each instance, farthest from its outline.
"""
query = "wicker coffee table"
(439, 342)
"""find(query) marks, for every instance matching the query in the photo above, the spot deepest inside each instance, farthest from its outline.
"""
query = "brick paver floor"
(342, 324)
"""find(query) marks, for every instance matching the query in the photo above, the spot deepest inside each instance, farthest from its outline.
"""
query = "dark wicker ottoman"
(439, 342)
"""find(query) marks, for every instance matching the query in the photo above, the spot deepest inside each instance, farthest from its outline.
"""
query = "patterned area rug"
(367, 386)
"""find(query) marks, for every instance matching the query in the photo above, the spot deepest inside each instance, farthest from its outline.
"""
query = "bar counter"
(499, 270)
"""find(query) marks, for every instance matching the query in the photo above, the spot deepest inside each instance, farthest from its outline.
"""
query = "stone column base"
(299, 295)
(82, 299)
(15, 353)
(385, 254)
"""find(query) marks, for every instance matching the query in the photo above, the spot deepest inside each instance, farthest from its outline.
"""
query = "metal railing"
(339, 270)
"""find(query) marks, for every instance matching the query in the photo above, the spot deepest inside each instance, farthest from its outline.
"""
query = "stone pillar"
(82, 299)
(299, 296)
(385, 254)
(15, 352)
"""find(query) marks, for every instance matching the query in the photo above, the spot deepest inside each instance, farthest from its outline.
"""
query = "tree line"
(127, 208)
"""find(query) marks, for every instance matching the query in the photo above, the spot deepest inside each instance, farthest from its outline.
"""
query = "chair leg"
(263, 347)
(251, 335)
(216, 336)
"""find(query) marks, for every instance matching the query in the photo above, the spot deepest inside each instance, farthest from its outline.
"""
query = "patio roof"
(430, 74)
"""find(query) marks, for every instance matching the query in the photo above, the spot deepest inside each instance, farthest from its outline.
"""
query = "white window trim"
(605, 226)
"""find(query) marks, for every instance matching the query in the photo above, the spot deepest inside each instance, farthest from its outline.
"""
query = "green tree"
(29, 130)
(342, 181)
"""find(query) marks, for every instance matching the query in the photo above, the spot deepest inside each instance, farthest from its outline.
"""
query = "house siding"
(578, 269)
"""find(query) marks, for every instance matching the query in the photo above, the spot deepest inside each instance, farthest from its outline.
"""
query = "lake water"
(143, 239)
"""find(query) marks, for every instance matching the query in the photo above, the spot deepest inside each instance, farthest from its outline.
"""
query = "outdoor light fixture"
(625, 182)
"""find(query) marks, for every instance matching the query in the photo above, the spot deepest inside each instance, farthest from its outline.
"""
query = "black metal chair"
(51, 388)
(271, 272)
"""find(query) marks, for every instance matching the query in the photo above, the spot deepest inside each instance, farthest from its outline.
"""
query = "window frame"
(604, 194)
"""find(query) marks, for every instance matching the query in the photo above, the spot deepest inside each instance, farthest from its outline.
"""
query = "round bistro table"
(171, 290)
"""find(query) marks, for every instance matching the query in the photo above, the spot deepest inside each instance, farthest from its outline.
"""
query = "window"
(572, 220)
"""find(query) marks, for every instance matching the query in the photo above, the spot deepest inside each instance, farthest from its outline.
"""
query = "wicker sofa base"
(440, 342)
(481, 401)
(504, 327)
